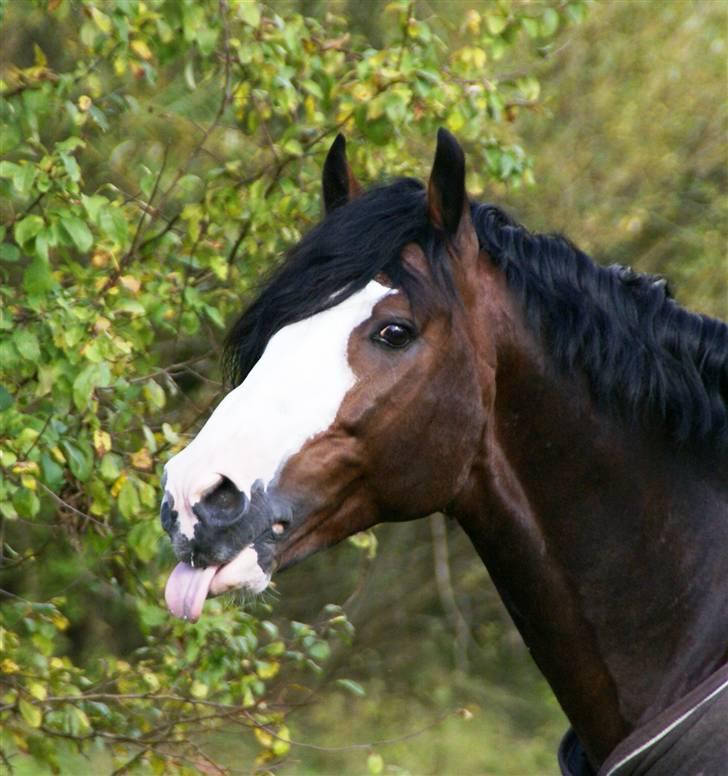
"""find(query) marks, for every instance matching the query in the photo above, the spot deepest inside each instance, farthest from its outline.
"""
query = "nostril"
(224, 496)
(167, 512)
(223, 503)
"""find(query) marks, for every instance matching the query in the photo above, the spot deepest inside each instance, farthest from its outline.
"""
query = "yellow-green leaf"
(30, 713)
(375, 764)
(38, 690)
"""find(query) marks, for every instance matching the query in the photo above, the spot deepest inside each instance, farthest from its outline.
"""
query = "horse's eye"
(394, 335)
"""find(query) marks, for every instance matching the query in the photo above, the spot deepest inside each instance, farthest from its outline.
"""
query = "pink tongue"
(187, 589)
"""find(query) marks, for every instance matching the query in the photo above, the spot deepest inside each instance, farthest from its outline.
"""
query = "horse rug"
(690, 738)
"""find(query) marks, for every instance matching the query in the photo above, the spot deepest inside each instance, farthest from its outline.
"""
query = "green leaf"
(41, 244)
(27, 345)
(78, 231)
(7, 510)
(529, 87)
(549, 22)
(79, 461)
(154, 394)
(52, 472)
(282, 743)
(6, 399)
(76, 721)
(26, 229)
(26, 502)
(8, 252)
(190, 76)
(214, 315)
(23, 179)
(94, 206)
(532, 27)
(38, 690)
(353, 687)
(9, 138)
(8, 169)
(102, 20)
(293, 147)
(495, 23)
(199, 689)
(576, 12)
(113, 224)
(129, 500)
(70, 144)
(249, 12)
(143, 537)
(99, 117)
(88, 379)
(37, 278)
(110, 467)
(320, 650)
(30, 713)
(375, 764)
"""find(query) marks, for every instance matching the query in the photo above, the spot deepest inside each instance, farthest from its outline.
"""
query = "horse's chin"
(188, 587)
(242, 572)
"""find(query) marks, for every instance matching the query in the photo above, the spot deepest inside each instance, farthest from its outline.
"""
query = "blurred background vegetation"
(156, 159)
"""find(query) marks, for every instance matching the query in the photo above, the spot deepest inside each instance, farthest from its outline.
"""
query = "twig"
(70, 507)
(23, 558)
(445, 592)
(169, 225)
(25, 455)
(126, 258)
(180, 366)
(185, 282)
(369, 744)
(288, 159)
(365, 568)
(242, 234)
(131, 762)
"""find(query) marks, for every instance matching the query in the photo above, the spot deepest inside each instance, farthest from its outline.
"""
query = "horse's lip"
(243, 571)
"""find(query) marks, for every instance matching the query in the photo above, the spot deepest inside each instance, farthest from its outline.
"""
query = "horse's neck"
(608, 552)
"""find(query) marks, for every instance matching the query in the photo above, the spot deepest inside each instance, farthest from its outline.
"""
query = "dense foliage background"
(156, 160)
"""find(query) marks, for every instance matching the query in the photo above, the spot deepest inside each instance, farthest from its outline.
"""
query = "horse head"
(360, 397)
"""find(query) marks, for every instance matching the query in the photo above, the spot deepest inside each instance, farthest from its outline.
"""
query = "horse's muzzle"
(233, 544)
(227, 520)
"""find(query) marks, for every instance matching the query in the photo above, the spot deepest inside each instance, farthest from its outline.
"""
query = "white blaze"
(292, 393)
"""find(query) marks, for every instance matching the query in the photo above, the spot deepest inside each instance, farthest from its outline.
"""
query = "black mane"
(644, 356)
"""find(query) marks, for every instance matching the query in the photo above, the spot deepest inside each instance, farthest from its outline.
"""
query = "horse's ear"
(338, 180)
(446, 196)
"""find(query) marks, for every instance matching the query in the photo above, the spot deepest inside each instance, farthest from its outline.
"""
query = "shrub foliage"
(156, 157)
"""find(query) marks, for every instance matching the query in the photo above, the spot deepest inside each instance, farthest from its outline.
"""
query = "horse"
(420, 352)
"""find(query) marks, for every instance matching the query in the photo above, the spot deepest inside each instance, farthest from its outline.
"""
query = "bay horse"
(421, 352)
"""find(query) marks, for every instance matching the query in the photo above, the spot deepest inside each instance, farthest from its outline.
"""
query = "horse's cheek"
(420, 454)
(461, 419)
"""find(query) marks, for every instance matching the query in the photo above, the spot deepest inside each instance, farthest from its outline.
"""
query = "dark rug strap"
(668, 725)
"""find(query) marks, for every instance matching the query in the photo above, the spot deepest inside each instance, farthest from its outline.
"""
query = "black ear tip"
(448, 146)
(339, 144)
(445, 136)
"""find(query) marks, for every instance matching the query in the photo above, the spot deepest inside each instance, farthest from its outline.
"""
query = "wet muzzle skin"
(224, 555)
